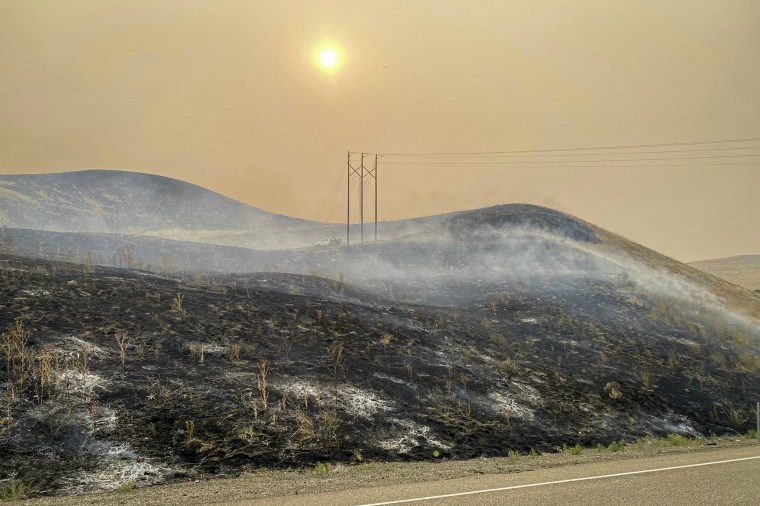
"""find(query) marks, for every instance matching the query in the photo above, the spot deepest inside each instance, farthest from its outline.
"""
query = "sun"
(328, 58)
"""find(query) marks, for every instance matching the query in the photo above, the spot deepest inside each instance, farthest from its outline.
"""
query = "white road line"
(514, 487)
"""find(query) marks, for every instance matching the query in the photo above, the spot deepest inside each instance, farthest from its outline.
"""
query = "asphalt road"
(718, 478)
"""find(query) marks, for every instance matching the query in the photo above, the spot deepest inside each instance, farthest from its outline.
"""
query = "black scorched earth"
(484, 335)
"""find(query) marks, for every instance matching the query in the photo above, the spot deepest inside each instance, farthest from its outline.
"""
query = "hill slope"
(117, 202)
(512, 327)
(139, 378)
(743, 270)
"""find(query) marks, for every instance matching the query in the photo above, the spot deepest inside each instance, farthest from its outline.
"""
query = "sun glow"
(327, 57)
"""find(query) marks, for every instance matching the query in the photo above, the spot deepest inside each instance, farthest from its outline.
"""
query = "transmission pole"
(361, 172)
(375, 198)
(348, 200)
(361, 201)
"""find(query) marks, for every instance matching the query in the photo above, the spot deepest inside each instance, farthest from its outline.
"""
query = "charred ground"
(129, 376)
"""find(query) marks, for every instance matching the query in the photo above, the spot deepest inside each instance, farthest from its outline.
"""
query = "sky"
(226, 95)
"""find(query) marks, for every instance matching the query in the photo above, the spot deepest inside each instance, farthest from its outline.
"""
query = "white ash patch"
(81, 384)
(408, 435)
(529, 320)
(360, 402)
(117, 465)
(671, 423)
(35, 292)
(81, 345)
(503, 404)
(209, 348)
(382, 376)
(300, 388)
(114, 464)
(527, 393)
(355, 401)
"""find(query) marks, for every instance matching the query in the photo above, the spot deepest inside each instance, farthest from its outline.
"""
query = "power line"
(330, 197)
(624, 146)
(603, 154)
(517, 166)
(575, 161)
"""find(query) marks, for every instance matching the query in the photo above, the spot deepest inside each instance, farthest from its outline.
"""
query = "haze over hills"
(742, 270)
(118, 202)
(139, 204)
(471, 333)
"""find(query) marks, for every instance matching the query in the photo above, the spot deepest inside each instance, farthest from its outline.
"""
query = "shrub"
(612, 389)
(576, 450)
(677, 440)
(614, 447)
(321, 469)
(125, 488)
(15, 490)
(752, 434)
(600, 447)
(513, 456)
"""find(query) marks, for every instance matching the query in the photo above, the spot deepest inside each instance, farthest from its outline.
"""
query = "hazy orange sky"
(224, 94)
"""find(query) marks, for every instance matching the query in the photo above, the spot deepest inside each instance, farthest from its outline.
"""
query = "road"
(709, 478)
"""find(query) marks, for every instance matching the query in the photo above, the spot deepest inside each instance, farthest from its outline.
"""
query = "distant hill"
(137, 204)
(743, 270)
(117, 202)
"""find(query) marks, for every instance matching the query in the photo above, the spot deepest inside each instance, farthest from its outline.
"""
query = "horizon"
(353, 222)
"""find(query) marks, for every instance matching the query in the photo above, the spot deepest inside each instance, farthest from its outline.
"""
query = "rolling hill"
(132, 203)
(743, 270)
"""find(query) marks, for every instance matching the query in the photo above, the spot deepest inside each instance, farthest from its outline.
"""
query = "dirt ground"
(278, 483)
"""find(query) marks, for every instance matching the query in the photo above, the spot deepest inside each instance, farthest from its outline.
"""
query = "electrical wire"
(592, 148)
(572, 161)
(602, 154)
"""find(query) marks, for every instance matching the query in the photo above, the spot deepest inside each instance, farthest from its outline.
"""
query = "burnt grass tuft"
(118, 382)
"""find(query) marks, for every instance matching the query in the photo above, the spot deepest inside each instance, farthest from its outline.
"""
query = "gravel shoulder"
(273, 484)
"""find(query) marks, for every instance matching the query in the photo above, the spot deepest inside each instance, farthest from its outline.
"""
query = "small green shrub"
(125, 488)
(322, 469)
(576, 450)
(533, 453)
(677, 440)
(15, 490)
(513, 456)
(614, 447)
(752, 434)
(600, 447)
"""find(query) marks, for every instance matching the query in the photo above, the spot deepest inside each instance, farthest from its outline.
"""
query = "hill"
(508, 328)
(118, 202)
(100, 202)
(743, 270)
